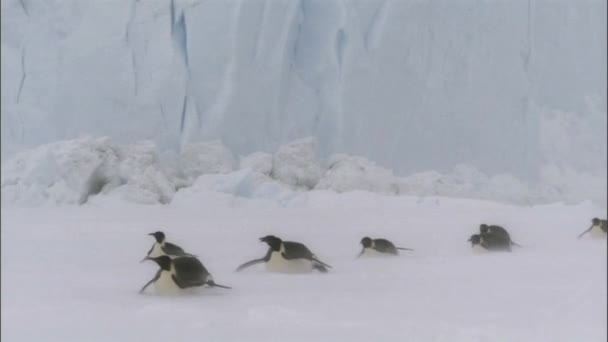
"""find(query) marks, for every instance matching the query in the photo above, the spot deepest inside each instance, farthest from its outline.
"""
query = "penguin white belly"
(372, 253)
(597, 233)
(478, 249)
(165, 285)
(156, 251)
(281, 265)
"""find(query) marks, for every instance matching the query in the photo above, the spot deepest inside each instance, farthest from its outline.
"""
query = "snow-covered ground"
(72, 273)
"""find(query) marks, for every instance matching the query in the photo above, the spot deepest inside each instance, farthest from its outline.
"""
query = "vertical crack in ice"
(24, 7)
(23, 75)
(375, 27)
(172, 10)
(180, 38)
(299, 17)
(528, 51)
(182, 123)
(162, 114)
(340, 45)
(129, 42)
(259, 34)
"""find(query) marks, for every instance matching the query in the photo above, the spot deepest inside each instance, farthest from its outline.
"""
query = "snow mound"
(205, 158)
(141, 172)
(245, 183)
(258, 161)
(70, 172)
(348, 173)
(66, 172)
(75, 171)
(466, 181)
(296, 164)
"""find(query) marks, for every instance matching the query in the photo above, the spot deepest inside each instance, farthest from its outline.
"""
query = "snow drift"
(75, 171)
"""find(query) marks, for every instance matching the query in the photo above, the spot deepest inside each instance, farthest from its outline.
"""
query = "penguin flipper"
(250, 263)
(151, 249)
(151, 281)
(214, 284)
(171, 249)
(585, 232)
(148, 254)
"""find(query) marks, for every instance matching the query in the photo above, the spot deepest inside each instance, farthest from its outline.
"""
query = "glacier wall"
(414, 85)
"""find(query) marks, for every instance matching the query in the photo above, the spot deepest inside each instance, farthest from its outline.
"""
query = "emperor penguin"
(379, 247)
(482, 243)
(598, 229)
(497, 232)
(178, 274)
(162, 247)
(477, 244)
(287, 257)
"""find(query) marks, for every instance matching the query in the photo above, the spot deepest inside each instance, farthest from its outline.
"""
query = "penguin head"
(163, 262)
(272, 241)
(483, 228)
(475, 239)
(159, 236)
(366, 242)
(595, 221)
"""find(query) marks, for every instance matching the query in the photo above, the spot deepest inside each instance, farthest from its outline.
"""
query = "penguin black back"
(490, 242)
(495, 230)
(496, 233)
(288, 251)
(381, 245)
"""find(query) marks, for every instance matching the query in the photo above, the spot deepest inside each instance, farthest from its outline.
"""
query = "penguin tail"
(516, 244)
(319, 267)
(213, 284)
(319, 262)
(404, 249)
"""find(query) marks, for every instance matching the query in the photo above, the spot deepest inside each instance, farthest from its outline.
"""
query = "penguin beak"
(262, 239)
(144, 259)
(151, 234)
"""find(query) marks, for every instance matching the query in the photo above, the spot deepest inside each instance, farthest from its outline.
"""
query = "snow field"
(73, 272)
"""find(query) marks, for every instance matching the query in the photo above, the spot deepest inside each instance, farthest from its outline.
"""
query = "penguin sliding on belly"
(598, 229)
(379, 247)
(287, 257)
(178, 274)
(496, 232)
(484, 243)
(162, 247)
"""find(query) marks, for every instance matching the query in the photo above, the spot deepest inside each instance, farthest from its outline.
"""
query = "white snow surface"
(73, 273)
